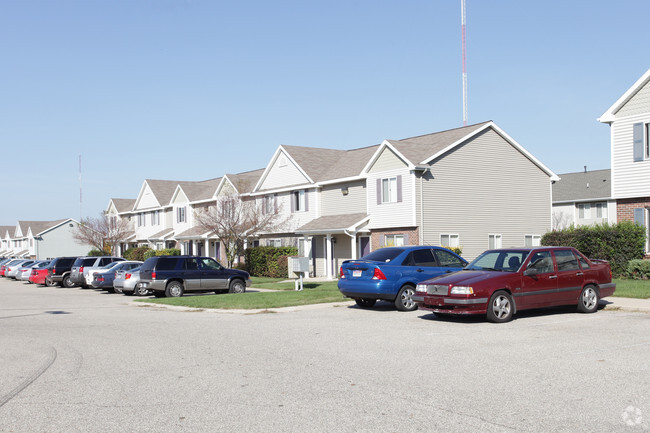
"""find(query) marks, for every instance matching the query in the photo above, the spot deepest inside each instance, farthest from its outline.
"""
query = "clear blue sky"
(193, 89)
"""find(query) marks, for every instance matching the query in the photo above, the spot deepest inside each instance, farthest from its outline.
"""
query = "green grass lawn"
(632, 288)
(313, 293)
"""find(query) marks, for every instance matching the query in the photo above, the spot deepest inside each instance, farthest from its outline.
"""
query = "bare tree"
(561, 220)
(234, 220)
(103, 232)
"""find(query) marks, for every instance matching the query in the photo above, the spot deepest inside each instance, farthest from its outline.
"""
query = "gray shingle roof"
(123, 204)
(38, 226)
(201, 190)
(596, 184)
(333, 222)
(193, 232)
(163, 189)
(246, 181)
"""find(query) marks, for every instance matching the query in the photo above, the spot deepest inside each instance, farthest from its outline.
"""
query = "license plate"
(356, 273)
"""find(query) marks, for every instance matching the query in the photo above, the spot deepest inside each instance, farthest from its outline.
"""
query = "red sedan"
(38, 275)
(498, 283)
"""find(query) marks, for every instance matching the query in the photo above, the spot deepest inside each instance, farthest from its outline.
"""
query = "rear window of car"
(88, 262)
(65, 262)
(383, 254)
(166, 264)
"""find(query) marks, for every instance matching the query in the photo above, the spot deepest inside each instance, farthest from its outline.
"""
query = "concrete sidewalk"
(626, 304)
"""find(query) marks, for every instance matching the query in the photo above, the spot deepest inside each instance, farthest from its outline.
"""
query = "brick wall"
(625, 207)
(377, 235)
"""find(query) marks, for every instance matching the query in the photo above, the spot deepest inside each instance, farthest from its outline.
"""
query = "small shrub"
(457, 250)
(136, 253)
(168, 252)
(269, 261)
(97, 253)
(638, 269)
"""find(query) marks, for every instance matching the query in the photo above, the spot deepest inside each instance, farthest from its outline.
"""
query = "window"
(209, 264)
(532, 240)
(494, 242)
(155, 218)
(449, 240)
(541, 262)
(394, 240)
(141, 221)
(180, 214)
(269, 204)
(641, 144)
(584, 211)
(299, 201)
(448, 259)
(601, 210)
(422, 257)
(389, 190)
(566, 261)
(275, 242)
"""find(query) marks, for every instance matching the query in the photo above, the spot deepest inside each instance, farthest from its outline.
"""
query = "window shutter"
(637, 133)
(275, 203)
(379, 192)
(639, 216)
(293, 202)
(399, 188)
(306, 200)
(406, 237)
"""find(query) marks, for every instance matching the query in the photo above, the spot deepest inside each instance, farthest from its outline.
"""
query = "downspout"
(421, 211)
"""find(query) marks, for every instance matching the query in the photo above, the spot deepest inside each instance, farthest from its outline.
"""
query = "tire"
(237, 286)
(158, 294)
(174, 289)
(50, 283)
(140, 291)
(500, 308)
(365, 302)
(404, 301)
(588, 301)
(67, 282)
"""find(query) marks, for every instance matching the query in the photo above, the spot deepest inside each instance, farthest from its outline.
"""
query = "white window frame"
(394, 240)
(274, 243)
(269, 204)
(496, 239)
(535, 240)
(584, 211)
(389, 190)
(141, 219)
(181, 214)
(453, 240)
(601, 210)
(299, 199)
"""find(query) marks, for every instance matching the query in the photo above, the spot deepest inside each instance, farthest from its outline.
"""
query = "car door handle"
(579, 274)
(419, 270)
(552, 277)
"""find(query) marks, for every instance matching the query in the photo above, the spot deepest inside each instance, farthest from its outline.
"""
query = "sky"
(194, 89)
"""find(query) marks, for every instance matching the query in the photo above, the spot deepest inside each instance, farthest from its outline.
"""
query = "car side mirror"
(530, 272)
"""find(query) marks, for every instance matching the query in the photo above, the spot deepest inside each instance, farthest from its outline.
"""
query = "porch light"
(345, 190)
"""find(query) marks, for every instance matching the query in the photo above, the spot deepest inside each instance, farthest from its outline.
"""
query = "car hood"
(467, 278)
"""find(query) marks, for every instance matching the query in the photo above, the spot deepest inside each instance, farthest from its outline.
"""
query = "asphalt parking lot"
(80, 360)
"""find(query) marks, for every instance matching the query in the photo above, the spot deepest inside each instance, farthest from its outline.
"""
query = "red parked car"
(498, 283)
(38, 274)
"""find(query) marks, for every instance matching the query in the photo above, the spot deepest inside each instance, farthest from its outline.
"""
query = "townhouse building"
(41, 239)
(629, 121)
(472, 188)
(583, 198)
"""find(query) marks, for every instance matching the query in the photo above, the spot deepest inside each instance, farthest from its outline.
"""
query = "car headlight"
(462, 290)
(421, 288)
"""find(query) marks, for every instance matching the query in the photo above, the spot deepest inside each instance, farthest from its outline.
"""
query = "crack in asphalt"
(52, 354)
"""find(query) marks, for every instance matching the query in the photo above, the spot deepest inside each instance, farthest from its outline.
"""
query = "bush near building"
(269, 261)
(616, 243)
(136, 253)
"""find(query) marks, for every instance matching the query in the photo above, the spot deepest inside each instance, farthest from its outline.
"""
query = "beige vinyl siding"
(283, 175)
(333, 202)
(293, 220)
(147, 199)
(638, 104)
(483, 187)
(387, 160)
(629, 178)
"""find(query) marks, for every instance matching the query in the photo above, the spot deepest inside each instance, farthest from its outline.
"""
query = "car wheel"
(237, 286)
(141, 291)
(365, 302)
(67, 282)
(588, 302)
(174, 289)
(500, 308)
(404, 300)
(50, 283)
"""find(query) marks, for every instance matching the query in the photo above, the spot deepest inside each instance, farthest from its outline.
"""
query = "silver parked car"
(84, 265)
(23, 272)
(13, 269)
(128, 282)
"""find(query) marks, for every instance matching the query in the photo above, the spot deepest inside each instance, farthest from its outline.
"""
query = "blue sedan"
(392, 273)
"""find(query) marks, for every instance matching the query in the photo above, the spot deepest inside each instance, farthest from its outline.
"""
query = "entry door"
(364, 246)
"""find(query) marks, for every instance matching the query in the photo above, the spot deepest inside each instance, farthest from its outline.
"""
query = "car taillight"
(100, 278)
(53, 270)
(341, 275)
(127, 276)
(378, 275)
(153, 275)
(81, 269)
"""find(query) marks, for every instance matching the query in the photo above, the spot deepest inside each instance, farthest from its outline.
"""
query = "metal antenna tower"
(462, 10)
(80, 194)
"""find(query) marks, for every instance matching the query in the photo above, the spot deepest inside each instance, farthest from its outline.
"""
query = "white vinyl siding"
(334, 202)
(482, 187)
(393, 214)
(638, 104)
(283, 175)
(386, 161)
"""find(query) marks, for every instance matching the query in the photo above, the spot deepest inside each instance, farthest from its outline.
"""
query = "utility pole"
(462, 10)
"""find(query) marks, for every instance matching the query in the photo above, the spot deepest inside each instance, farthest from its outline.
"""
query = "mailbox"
(298, 265)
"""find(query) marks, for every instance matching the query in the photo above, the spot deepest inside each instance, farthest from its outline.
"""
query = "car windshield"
(498, 260)
(111, 265)
(383, 254)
